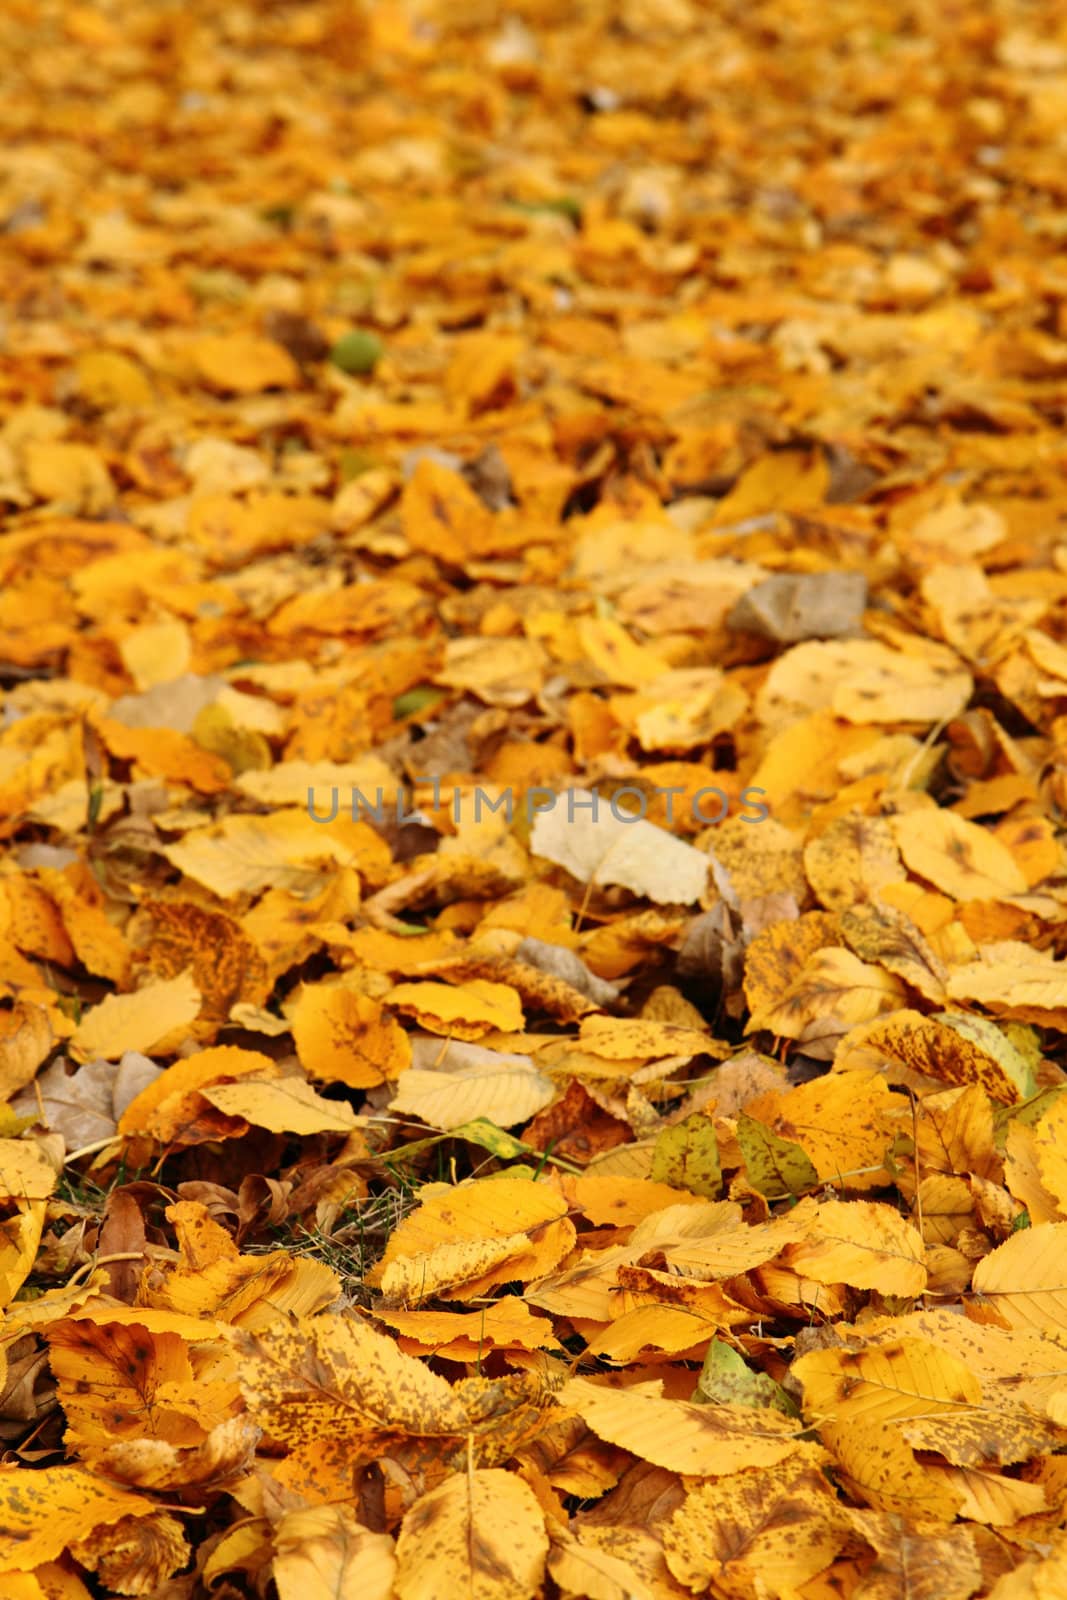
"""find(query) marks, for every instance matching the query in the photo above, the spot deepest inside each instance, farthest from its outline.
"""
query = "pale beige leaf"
(595, 847)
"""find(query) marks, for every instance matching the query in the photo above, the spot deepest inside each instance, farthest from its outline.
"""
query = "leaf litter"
(625, 1154)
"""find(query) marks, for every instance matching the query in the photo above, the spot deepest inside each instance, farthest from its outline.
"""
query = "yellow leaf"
(501, 672)
(479, 1007)
(478, 1211)
(482, 370)
(453, 1267)
(332, 1378)
(616, 656)
(834, 992)
(44, 1511)
(505, 1093)
(135, 1555)
(909, 1378)
(71, 475)
(284, 850)
(584, 836)
(877, 1468)
(107, 378)
(1024, 1281)
(122, 1380)
(345, 1037)
(507, 1323)
(857, 1242)
(783, 1519)
(20, 1236)
(152, 1110)
(324, 1553)
(851, 860)
(622, 1201)
(843, 1122)
(25, 1171)
(479, 1534)
(957, 857)
(283, 1105)
(242, 363)
(923, 1559)
(144, 1021)
(580, 1568)
(622, 1038)
(700, 1440)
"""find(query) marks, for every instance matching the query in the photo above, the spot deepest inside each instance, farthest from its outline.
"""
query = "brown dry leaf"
(918, 1557)
(952, 1046)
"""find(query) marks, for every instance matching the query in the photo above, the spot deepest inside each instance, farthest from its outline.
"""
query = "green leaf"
(1027, 1112)
(727, 1380)
(687, 1157)
(12, 1125)
(564, 205)
(481, 1131)
(351, 463)
(357, 351)
(775, 1166)
(417, 699)
(282, 213)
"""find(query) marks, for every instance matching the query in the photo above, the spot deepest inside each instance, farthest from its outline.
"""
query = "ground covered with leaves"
(533, 753)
